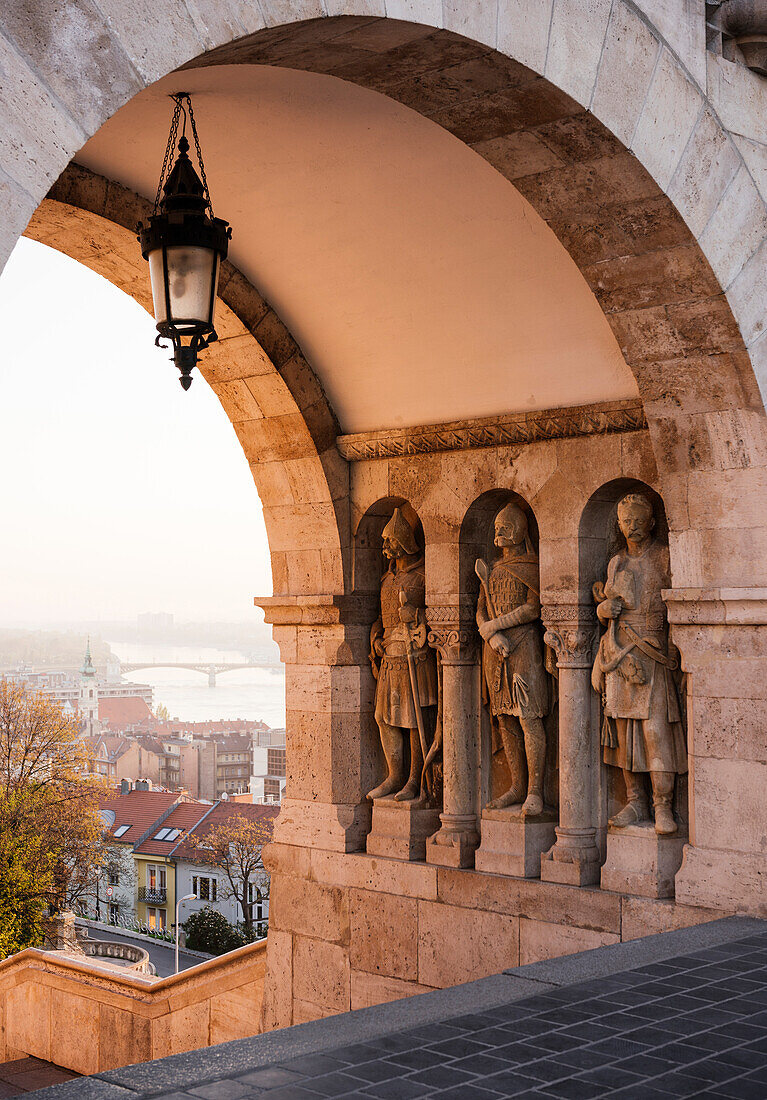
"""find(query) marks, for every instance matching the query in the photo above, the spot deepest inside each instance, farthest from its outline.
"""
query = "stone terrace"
(678, 1014)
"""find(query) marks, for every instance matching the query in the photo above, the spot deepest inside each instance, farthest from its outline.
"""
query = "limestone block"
(519, 154)
(235, 357)
(743, 490)
(37, 136)
(746, 292)
(538, 900)
(384, 934)
(707, 167)
(575, 45)
(281, 437)
(736, 227)
(300, 526)
(304, 570)
(237, 400)
(641, 862)
(671, 110)
(755, 156)
(272, 395)
(277, 1010)
(523, 30)
(477, 21)
(732, 558)
(185, 1029)
(375, 989)
(625, 70)
(460, 945)
(234, 1014)
(54, 37)
(729, 804)
(124, 1038)
(539, 940)
(321, 974)
(629, 282)
(400, 829)
(308, 909)
(647, 917)
(157, 37)
(738, 97)
(410, 880)
(308, 824)
(733, 881)
(304, 1012)
(355, 7)
(512, 845)
(418, 11)
(75, 1031)
(28, 1020)
(221, 21)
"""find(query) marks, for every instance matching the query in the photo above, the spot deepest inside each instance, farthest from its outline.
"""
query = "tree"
(51, 832)
(234, 847)
(208, 930)
(162, 712)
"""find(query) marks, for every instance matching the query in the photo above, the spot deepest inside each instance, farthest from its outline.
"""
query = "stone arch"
(658, 249)
(265, 385)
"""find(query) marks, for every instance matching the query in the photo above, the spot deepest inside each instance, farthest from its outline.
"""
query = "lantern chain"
(169, 150)
(199, 155)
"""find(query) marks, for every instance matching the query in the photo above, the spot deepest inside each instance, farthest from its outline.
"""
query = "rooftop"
(221, 812)
(137, 809)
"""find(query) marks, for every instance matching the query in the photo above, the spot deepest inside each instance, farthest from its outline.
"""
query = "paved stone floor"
(28, 1075)
(692, 1025)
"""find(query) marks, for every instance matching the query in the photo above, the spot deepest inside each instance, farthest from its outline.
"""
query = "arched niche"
(477, 540)
(368, 563)
(599, 540)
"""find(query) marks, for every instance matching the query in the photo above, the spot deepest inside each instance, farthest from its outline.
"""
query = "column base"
(512, 844)
(574, 859)
(336, 827)
(455, 843)
(639, 861)
(720, 879)
(400, 829)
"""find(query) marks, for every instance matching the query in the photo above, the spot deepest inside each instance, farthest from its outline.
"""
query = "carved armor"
(516, 684)
(394, 695)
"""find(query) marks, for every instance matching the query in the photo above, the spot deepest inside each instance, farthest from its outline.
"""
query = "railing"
(152, 894)
(44, 997)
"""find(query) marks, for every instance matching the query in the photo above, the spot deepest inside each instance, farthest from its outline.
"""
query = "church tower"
(89, 694)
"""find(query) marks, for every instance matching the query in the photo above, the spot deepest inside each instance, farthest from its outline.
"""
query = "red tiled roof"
(137, 809)
(187, 847)
(127, 711)
(184, 817)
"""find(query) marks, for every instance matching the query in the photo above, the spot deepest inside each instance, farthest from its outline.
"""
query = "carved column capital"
(571, 631)
(453, 634)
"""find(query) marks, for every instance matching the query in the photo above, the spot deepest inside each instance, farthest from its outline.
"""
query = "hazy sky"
(122, 493)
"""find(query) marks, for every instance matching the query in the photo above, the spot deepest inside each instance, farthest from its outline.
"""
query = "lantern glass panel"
(191, 271)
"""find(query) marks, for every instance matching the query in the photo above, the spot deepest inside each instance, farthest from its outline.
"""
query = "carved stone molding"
(571, 631)
(497, 431)
(452, 634)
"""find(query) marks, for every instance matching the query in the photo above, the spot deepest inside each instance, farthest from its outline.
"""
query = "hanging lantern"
(184, 244)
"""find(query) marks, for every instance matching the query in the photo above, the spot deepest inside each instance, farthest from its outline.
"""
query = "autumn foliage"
(50, 828)
(234, 847)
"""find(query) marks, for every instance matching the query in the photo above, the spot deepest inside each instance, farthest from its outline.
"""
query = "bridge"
(211, 669)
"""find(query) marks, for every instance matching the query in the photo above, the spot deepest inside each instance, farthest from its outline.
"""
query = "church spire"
(88, 669)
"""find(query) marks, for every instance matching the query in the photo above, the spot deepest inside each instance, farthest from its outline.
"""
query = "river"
(251, 693)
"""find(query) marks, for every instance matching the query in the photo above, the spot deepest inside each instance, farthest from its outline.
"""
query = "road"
(161, 954)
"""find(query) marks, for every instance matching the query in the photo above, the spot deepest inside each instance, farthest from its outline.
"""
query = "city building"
(196, 875)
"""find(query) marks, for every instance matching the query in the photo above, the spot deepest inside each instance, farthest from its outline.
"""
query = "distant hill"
(48, 649)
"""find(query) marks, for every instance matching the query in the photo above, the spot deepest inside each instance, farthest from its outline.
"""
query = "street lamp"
(184, 244)
(188, 897)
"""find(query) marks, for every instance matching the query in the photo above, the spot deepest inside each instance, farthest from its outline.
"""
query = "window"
(206, 888)
(114, 912)
(167, 834)
(256, 902)
(155, 877)
(121, 830)
(113, 877)
(156, 918)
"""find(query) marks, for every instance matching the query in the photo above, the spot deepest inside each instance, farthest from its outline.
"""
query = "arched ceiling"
(420, 284)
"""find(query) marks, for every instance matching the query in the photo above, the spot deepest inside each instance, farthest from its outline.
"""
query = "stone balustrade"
(88, 1016)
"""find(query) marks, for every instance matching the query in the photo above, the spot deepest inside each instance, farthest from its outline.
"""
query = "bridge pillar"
(211, 677)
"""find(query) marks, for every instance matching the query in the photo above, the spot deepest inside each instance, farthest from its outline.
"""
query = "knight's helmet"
(399, 530)
(511, 517)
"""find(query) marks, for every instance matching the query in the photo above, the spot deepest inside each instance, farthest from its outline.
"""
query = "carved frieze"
(498, 431)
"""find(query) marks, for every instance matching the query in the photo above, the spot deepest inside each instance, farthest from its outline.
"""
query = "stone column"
(571, 632)
(331, 751)
(454, 636)
(721, 634)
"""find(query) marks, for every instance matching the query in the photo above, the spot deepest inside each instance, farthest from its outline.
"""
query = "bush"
(210, 931)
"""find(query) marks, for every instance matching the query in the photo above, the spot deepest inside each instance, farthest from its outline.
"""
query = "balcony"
(153, 895)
